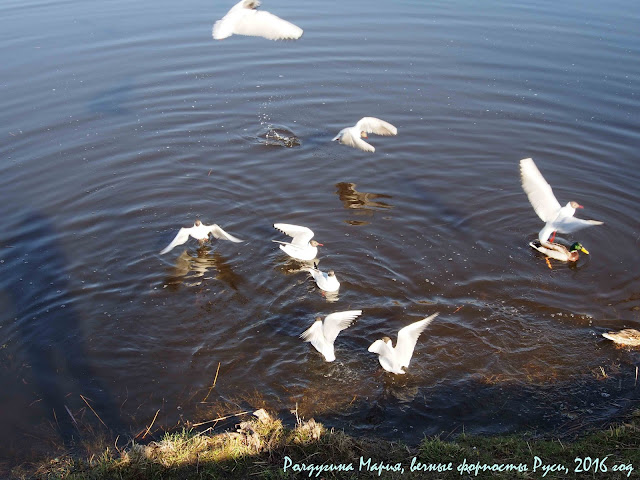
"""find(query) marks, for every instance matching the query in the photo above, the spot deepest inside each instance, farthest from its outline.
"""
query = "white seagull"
(301, 247)
(556, 218)
(353, 136)
(244, 19)
(325, 281)
(200, 232)
(323, 335)
(392, 358)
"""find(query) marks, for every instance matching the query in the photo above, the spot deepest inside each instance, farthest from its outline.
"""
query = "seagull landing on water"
(301, 246)
(353, 136)
(323, 335)
(200, 232)
(325, 281)
(245, 19)
(556, 218)
(393, 358)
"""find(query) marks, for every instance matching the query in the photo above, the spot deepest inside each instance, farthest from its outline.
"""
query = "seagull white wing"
(243, 19)
(218, 232)
(407, 338)
(377, 126)
(573, 224)
(379, 347)
(317, 275)
(180, 238)
(315, 335)
(336, 322)
(538, 190)
(300, 235)
(347, 137)
(386, 354)
(259, 23)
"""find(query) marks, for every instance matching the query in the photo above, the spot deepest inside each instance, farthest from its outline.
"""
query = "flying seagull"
(353, 136)
(556, 218)
(322, 335)
(301, 246)
(393, 358)
(200, 232)
(245, 19)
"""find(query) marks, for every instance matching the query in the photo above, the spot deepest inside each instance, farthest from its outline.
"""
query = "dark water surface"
(123, 121)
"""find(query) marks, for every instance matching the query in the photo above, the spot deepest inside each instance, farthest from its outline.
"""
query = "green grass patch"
(262, 448)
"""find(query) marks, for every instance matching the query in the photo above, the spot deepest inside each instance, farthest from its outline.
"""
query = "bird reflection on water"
(192, 270)
(364, 202)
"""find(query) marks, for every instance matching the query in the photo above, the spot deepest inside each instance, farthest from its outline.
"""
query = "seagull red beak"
(321, 244)
(580, 206)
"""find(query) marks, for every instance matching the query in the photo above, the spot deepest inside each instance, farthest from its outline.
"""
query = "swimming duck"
(200, 232)
(353, 136)
(244, 19)
(556, 218)
(393, 358)
(628, 336)
(323, 335)
(559, 251)
(301, 246)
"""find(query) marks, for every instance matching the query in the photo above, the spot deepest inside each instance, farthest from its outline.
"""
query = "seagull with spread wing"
(393, 358)
(353, 136)
(556, 218)
(301, 246)
(245, 19)
(200, 232)
(322, 335)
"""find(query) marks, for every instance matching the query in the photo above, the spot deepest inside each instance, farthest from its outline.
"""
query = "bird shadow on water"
(191, 270)
(46, 332)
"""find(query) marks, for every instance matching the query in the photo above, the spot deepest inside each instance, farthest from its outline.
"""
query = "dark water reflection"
(121, 120)
(192, 270)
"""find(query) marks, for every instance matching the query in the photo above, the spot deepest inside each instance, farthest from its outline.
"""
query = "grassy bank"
(263, 448)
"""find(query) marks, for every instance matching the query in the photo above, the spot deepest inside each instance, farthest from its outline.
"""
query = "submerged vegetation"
(263, 448)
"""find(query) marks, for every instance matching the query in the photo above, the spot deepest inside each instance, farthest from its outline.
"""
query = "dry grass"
(259, 448)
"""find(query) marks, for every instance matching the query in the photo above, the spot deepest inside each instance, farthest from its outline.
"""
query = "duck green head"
(577, 247)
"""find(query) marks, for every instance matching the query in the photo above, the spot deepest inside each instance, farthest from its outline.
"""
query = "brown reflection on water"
(191, 271)
(364, 203)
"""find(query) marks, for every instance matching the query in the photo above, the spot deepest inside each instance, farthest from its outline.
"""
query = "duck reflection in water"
(191, 271)
(49, 331)
(364, 202)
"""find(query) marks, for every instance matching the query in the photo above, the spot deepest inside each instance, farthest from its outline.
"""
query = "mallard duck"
(353, 136)
(200, 232)
(301, 247)
(244, 19)
(556, 218)
(628, 336)
(393, 359)
(559, 251)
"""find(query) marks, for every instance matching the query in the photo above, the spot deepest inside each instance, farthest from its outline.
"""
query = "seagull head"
(363, 134)
(331, 273)
(388, 341)
(313, 243)
(197, 223)
(575, 205)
